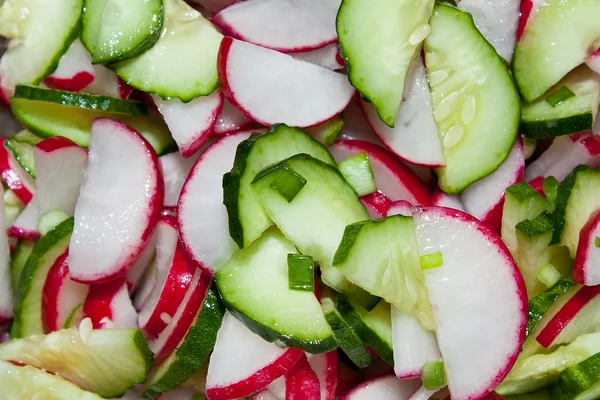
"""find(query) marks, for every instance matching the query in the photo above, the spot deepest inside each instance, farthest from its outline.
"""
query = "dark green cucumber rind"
(350, 234)
(81, 100)
(18, 261)
(194, 350)
(540, 304)
(577, 379)
(362, 297)
(71, 315)
(543, 223)
(22, 149)
(522, 191)
(147, 355)
(557, 127)
(58, 235)
(562, 197)
(348, 341)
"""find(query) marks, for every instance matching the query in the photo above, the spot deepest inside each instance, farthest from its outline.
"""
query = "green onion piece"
(51, 219)
(301, 275)
(550, 188)
(560, 96)
(288, 183)
(327, 132)
(357, 172)
(549, 275)
(434, 375)
(430, 261)
(597, 242)
(69, 320)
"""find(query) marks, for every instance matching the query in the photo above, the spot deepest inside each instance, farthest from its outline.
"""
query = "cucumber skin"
(142, 345)
(357, 353)
(18, 261)
(543, 223)
(540, 304)
(575, 380)
(562, 197)
(347, 243)
(557, 127)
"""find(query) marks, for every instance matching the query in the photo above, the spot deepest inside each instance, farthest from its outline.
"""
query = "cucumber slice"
(28, 301)
(114, 30)
(107, 362)
(186, 37)
(580, 381)
(42, 32)
(247, 219)
(558, 36)
(193, 352)
(18, 260)
(254, 286)
(13, 206)
(540, 304)
(378, 41)
(21, 144)
(25, 383)
(576, 114)
(327, 132)
(373, 327)
(476, 105)
(388, 247)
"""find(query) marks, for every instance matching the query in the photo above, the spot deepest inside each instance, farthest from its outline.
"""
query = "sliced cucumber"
(378, 41)
(247, 219)
(28, 301)
(576, 114)
(41, 32)
(327, 132)
(540, 304)
(107, 362)
(186, 37)
(558, 36)
(254, 286)
(21, 144)
(476, 105)
(580, 381)
(114, 30)
(388, 247)
(18, 260)
(13, 206)
(26, 383)
(193, 352)
(374, 327)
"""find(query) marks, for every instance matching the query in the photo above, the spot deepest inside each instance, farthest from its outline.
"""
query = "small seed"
(453, 136)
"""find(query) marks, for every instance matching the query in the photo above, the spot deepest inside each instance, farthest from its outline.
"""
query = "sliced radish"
(272, 87)
(392, 178)
(74, 72)
(264, 395)
(377, 205)
(355, 125)
(414, 346)
(135, 273)
(289, 26)
(484, 199)
(415, 137)
(325, 366)
(60, 295)
(593, 61)
(107, 83)
(301, 382)
(26, 224)
(243, 363)
(478, 299)
(326, 57)
(202, 216)
(108, 305)
(190, 123)
(400, 207)
(175, 169)
(6, 293)
(586, 270)
(231, 120)
(119, 203)
(14, 176)
(384, 388)
(525, 12)
(423, 394)
(442, 199)
(174, 273)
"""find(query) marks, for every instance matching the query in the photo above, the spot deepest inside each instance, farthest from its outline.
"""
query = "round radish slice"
(108, 305)
(231, 120)
(119, 203)
(384, 388)
(74, 72)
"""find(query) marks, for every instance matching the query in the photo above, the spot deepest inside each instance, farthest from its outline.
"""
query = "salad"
(300, 200)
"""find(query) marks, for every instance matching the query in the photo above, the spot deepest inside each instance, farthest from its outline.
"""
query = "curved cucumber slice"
(186, 37)
(378, 41)
(476, 105)
(18, 261)
(558, 37)
(107, 362)
(327, 132)
(254, 285)
(114, 30)
(21, 145)
(540, 304)
(247, 219)
(579, 382)
(576, 114)
(24, 383)
(28, 301)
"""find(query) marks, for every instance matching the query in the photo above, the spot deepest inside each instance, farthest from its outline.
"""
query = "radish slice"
(326, 367)
(107, 83)
(392, 178)
(586, 270)
(264, 395)
(377, 205)
(14, 176)
(135, 273)
(594, 61)
(356, 126)
(480, 334)
(423, 394)
(108, 305)
(74, 72)
(400, 207)
(384, 388)
(326, 57)
(415, 137)
(301, 382)
(119, 203)
(289, 26)
(6, 293)
(272, 87)
(257, 362)
(190, 123)
(202, 216)
(484, 199)
(26, 224)
(175, 170)
(442, 199)
(174, 273)
(231, 120)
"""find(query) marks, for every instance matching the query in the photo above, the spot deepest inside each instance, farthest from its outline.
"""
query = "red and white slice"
(415, 137)
(593, 61)
(191, 123)
(26, 224)
(413, 345)
(243, 363)
(231, 120)
(377, 205)
(74, 72)
(202, 216)
(484, 199)
(6, 293)
(272, 87)
(478, 299)
(325, 366)
(175, 169)
(14, 176)
(289, 26)
(264, 395)
(355, 125)
(326, 57)
(60, 295)
(586, 270)
(392, 178)
(400, 207)
(174, 273)
(386, 387)
(138, 270)
(119, 203)
(108, 305)
(301, 382)
(443, 199)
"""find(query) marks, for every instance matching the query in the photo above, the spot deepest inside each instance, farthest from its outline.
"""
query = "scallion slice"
(430, 261)
(560, 96)
(434, 375)
(549, 275)
(301, 272)
(597, 242)
(288, 183)
(357, 172)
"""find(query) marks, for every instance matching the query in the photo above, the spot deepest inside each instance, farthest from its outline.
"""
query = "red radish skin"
(326, 368)
(108, 305)
(4, 96)
(536, 184)
(442, 199)
(17, 179)
(301, 382)
(326, 57)
(526, 8)
(25, 226)
(586, 270)
(76, 83)
(400, 207)
(376, 204)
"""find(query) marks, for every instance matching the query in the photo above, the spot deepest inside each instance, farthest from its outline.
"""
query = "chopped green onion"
(560, 96)
(550, 188)
(327, 132)
(69, 320)
(549, 275)
(288, 183)
(301, 274)
(51, 219)
(434, 375)
(430, 261)
(597, 242)
(357, 172)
